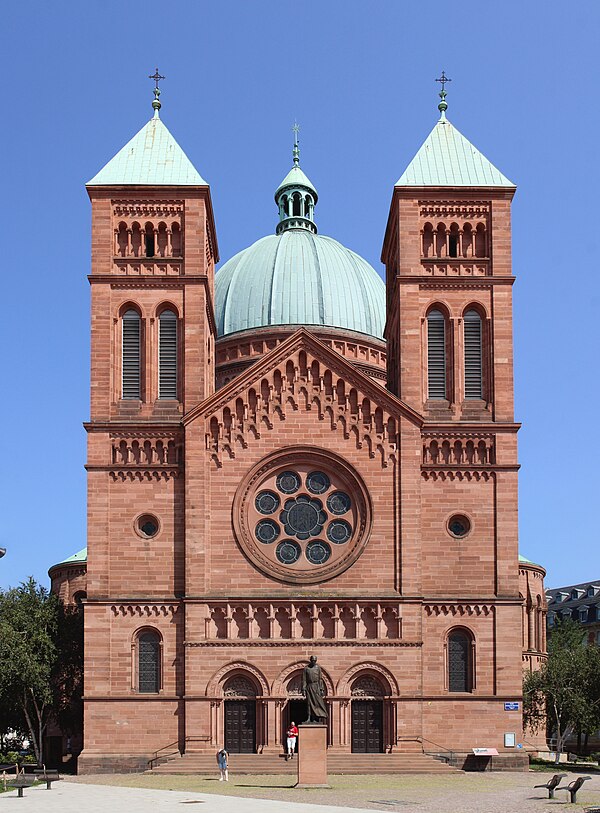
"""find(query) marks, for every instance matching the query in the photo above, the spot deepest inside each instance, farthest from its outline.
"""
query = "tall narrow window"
(149, 240)
(131, 354)
(473, 355)
(167, 355)
(436, 355)
(459, 662)
(148, 663)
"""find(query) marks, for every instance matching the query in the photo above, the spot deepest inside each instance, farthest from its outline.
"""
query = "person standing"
(222, 762)
(292, 736)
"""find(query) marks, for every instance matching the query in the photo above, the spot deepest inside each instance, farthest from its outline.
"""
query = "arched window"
(427, 240)
(176, 240)
(481, 241)
(460, 666)
(296, 204)
(167, 355)
(473, 355)
(149, 240)
(131, 346)
(436, 355)
(148, 646)
(453, 241)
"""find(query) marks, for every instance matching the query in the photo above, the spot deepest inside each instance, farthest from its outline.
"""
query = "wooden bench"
(43, 775)
(574, 786)
(552, 784)
(20, 782)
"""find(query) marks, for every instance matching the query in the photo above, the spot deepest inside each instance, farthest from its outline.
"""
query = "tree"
(28, 654)
(566, 690)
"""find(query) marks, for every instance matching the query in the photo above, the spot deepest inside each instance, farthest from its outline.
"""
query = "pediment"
(303, 374)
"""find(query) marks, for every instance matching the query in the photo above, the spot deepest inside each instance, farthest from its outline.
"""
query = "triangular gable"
(303, 340)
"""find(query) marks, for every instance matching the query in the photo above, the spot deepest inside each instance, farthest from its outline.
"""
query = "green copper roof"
(523, 559)
(447, 158)
(80, 556)
(296, 177)
(299, 278)
(151, 158)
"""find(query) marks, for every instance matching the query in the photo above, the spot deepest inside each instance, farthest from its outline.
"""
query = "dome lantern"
(296, 197)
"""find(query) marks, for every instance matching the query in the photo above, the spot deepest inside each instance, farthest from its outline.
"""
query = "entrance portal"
(295, 710)
(240, 726)
(367, 726)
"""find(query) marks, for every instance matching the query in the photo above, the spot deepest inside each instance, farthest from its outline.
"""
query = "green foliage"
(28, 652)
(566, 690)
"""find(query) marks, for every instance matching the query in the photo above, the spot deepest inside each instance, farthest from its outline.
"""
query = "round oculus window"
(459, 525)
(147, 526)
(302, 515)
(267, 502)
(318, 552)
(317, 482)
(288, 482)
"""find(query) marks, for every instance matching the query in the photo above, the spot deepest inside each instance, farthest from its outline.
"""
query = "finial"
(296, 151)
(156, 102)
(443, 106)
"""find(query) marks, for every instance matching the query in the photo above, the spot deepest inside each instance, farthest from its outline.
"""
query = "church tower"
(153, 336)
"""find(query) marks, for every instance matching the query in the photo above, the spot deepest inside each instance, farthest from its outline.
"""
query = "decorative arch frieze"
(296, 378)
(467, 475)
(458, 609)
(344, 687)
(215, 686)
(143, 610)
(281, 681)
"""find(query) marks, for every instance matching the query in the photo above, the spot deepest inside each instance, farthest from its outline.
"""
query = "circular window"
(339, 531)
(314, 508)
(288, 482)
(267, 531)
(317, 482)
(303, 517)
(459, 525)
(267, 502)
(288, 551)
(147, 526)
(339, 502)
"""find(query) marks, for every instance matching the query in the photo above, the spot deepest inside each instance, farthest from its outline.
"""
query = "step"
(336, 764)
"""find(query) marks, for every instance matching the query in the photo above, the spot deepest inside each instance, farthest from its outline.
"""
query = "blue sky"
(360, 80)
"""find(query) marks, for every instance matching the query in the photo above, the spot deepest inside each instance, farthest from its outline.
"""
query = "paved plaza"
(461, 793)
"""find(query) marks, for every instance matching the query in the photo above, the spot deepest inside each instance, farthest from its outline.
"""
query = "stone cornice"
(269, 643)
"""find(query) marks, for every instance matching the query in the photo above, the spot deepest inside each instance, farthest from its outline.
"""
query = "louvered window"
(131, 354)
(473, 355)
(459, 667)
(167, 355)
(436, 355)
(148, 663)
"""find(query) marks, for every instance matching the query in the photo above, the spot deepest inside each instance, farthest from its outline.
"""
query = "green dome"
(299, 278)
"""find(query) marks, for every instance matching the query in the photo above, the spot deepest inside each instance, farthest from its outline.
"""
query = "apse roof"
(447, 158)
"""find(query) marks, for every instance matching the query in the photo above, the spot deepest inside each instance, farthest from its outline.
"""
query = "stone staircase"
(399, 763)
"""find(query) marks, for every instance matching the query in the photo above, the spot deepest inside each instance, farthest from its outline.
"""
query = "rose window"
(302, 516)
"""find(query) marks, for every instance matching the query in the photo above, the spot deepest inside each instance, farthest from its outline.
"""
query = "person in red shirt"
(292, 736)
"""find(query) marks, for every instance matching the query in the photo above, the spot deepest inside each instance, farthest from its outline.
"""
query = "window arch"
(453, 240)
(149, 242)
(460, 661)
(167, 355)
(131, 325)
(436, 355)
(148, 662)
(296, 205)
(473, 351)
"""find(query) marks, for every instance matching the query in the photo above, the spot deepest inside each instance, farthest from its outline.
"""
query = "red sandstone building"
(293, 458)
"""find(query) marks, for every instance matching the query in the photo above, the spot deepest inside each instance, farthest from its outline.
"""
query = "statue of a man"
(313, 690)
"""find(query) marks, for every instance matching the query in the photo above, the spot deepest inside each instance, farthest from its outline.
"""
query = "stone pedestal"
(312, 756)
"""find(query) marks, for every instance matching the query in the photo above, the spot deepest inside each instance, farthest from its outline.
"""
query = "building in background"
(578, 602)
(292, 458)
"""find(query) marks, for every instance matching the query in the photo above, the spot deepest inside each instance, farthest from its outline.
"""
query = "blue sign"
(513, 706)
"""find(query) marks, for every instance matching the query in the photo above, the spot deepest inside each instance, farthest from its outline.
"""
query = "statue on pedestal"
(313, 690)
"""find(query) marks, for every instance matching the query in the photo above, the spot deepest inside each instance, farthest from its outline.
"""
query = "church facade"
(291, 457)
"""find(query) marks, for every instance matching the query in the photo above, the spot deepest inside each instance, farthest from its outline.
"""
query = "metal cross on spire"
(443, 106)
(296, 152)
(156, 103)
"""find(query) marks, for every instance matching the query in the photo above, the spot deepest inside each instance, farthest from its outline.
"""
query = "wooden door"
(367, 726)
(240, 726)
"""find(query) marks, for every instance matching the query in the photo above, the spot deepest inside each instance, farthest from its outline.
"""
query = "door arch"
(367, 720)
(239, 695)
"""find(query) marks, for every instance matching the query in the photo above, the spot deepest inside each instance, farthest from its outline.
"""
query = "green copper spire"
(156, 103)
(296, 197)
(443, 106)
